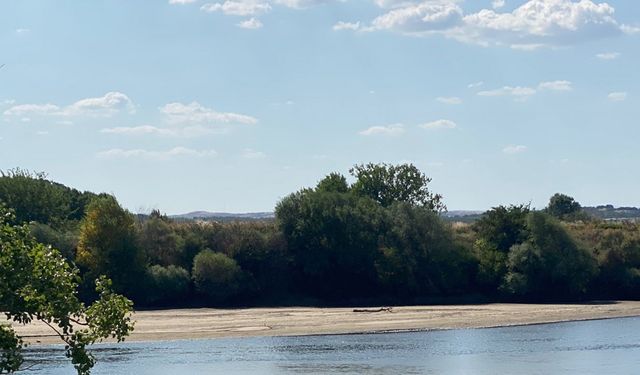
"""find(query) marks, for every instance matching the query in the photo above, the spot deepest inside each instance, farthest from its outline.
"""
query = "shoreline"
(207, 323)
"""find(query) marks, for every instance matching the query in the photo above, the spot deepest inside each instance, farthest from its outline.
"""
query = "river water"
(590, 347)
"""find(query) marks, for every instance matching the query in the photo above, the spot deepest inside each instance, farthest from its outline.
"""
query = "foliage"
(11, 346)
(334, 182)
(159, 240)
(216, 275)
(502, 227)
(333, 239)
(424, 256)
(36, 283)
(564, 207)
(35, 198)
(64, 239)
(388, 184)
(108, 246)
(492, 266)
(550, 264)
(616, 246)
(166, 284)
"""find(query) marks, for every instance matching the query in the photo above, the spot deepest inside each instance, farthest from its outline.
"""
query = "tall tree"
(334, 239)
(388, 184)
(108, 245)
(563, 207)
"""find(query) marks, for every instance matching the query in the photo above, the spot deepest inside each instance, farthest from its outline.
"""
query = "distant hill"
(223, 216)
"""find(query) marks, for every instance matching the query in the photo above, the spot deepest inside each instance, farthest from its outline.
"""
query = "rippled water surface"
(593, 347)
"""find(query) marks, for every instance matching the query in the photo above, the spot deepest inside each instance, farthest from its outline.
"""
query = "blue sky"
(229, 106)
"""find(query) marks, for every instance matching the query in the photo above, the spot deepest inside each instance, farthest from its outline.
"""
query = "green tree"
(421, 254)
(159, 240)
(36, 283)
(167, 284)
(108, 246)
(388, 184)
(502, 227)
(334, 182)
(333, 238)
(550, 264)
(34, 197)
(564, 207)
(216, 275)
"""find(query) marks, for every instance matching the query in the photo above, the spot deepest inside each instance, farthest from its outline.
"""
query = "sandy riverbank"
(215, 323)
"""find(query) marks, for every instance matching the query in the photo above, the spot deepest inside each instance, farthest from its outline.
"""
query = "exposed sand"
(215, 323)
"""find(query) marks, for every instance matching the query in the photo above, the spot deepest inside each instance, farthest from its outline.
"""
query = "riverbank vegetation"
(379, 239)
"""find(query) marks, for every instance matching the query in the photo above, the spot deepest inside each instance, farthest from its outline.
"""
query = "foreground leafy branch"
(36, 283)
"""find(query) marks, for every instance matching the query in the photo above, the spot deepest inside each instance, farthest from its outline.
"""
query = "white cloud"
(532, 25)
(22, 31)
(238, 7)
(346, 26)
(449, 100)
(252, 24)
(186, 121)
(301, 4)
(631, 30)
(253, 154)
(497, 4)
(389, 130)
(617, 96)
(439, 124)
(608, 55)
(517, 91)
(107, 105)
(475, 84)
(544, 22)
(556, 86)
(137, 130)
(514, 149)
(194, 113)
(32, 109)
(118, 153)
(391, 3)
(104, 106)
(417, 18)
(181, 2)
(522, 93)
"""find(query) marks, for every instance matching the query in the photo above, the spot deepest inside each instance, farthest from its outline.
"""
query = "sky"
(184, 105)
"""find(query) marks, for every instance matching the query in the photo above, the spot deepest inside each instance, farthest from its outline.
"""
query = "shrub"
(167, 283)
(216, 275)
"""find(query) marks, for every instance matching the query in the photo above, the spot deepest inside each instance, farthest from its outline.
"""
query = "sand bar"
(290, 321)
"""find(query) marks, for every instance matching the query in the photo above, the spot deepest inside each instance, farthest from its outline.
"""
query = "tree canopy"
(564, 207)
(108, 245)
(388, 184)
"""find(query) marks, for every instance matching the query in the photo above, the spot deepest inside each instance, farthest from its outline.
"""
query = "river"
(588, 347)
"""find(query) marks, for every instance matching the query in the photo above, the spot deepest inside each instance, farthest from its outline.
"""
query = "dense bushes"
(549, 264)
(216, 275)
(167, 285)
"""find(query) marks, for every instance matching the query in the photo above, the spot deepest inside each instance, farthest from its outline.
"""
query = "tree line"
(378, 239)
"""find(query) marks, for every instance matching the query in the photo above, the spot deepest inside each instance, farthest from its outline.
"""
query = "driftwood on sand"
(382, 309)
